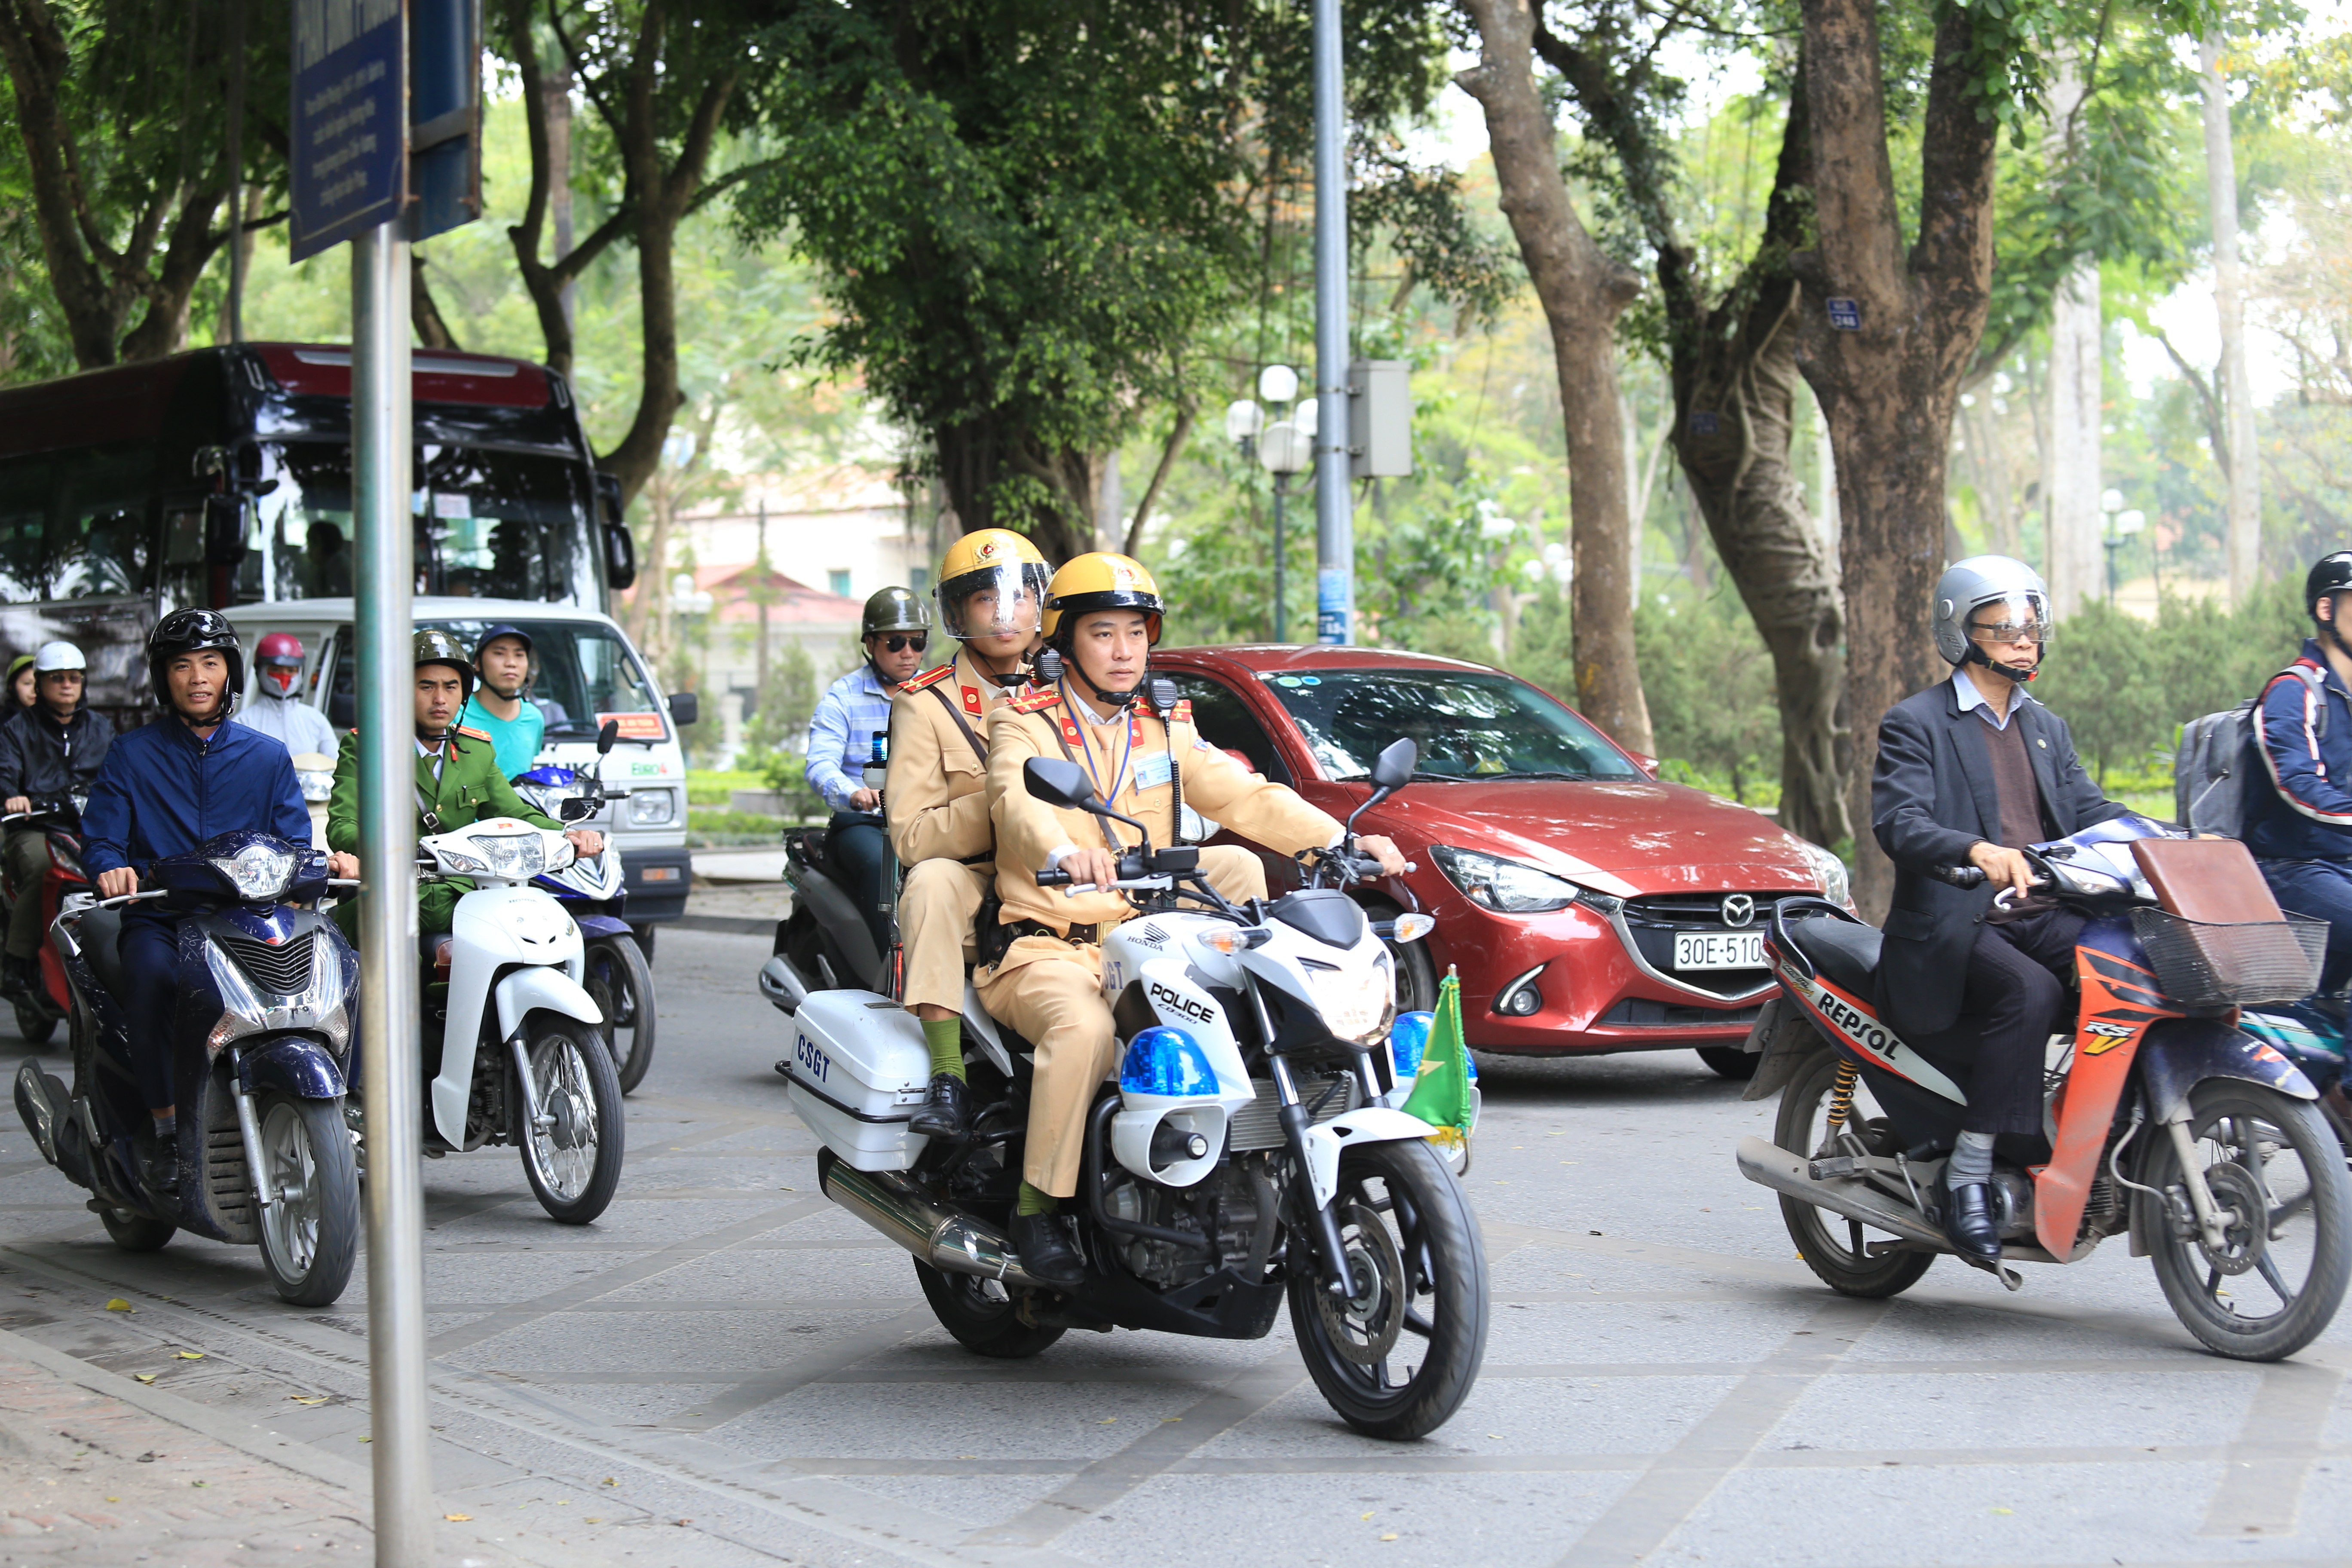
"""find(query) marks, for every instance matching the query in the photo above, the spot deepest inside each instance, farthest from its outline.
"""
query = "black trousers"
(2014, 1000)
(860, 848)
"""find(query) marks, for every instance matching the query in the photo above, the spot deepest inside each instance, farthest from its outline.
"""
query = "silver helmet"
(1967, 587)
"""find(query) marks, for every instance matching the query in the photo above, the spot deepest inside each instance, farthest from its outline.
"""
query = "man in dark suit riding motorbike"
(1970, 771)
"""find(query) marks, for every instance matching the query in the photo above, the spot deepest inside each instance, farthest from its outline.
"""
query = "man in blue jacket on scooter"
(166, 789)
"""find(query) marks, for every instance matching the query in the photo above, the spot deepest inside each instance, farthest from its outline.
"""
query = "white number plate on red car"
(1718, 950)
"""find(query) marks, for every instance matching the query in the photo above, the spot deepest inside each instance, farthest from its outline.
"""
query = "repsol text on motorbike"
(1247, 1155)
(2164, 1120)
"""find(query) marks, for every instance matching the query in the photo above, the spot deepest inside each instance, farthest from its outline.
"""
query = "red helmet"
(278, 648)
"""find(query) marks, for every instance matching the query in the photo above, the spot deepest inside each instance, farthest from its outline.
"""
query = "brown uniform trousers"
(1050, 989)
(936, 799)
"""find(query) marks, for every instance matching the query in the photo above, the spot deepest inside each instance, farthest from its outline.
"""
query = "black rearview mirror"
(607, 737)
(1059, 783)
(1393, 767)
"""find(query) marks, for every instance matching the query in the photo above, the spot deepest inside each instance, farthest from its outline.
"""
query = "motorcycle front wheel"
(310, 1233)
(573, 1161)
(622, 981)
(1397, 1359)
(2273, 1286)
(1837, 1249)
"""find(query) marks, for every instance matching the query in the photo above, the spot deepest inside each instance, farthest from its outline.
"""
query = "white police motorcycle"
(1247, 1153)
(512, 1043)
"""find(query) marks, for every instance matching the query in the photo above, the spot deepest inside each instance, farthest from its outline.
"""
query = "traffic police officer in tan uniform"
(990, 593)
(1102, 615)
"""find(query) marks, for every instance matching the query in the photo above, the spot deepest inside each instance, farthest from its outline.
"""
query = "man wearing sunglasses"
(896, 630)
(1970, 772)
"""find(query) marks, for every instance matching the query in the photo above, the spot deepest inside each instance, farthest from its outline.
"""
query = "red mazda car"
(1587, 906)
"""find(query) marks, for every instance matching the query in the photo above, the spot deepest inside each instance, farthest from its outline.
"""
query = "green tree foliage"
(777, 733)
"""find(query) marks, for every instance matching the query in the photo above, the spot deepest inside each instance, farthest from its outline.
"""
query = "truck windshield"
(1470, 724)
(489, 525)
(582, 673)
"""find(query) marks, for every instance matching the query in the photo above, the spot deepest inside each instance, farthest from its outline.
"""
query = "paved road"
(726, 1369)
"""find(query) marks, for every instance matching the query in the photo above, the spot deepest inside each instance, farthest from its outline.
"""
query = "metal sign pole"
(1335, 531)
(393, 1075)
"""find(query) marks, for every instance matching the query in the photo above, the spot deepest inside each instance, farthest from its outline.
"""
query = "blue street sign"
(444, 108)
(1845, 315)
(349, 132)
(1332, 605)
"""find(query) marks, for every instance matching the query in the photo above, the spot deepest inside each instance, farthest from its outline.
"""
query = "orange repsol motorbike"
(2163, 1121)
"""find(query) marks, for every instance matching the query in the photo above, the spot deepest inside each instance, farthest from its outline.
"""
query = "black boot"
(945, 1109)
(1044, 1254)
(1971, 1218)
(18, 975)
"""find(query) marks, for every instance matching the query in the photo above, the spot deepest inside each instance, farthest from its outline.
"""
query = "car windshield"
(582, 674)
(1470, 724)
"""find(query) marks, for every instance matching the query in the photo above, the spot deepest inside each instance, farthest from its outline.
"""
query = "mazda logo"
(1739, 908)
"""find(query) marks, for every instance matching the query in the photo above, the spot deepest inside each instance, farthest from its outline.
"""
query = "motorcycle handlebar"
(1959, 876)
(1053, 879)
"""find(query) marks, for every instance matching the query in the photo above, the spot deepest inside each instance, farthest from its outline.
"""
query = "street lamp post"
(2121, 525)
(1282, 449)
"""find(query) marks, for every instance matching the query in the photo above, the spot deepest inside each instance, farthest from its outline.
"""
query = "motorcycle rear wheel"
(983, 1323)
(2254, 1140)
(1833, 1247)
(1402, 1219)
(135, 1232)
(310, 1236)
(622, 981)
(574, 1167)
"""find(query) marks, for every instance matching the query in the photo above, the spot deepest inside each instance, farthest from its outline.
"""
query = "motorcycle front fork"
(1331, 1253)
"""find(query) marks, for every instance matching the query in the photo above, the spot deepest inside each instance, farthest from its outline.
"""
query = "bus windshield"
(582, 673)
(489, 525)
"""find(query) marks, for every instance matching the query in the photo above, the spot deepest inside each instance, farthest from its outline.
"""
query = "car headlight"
(316, 784)
(515, 856)
(1507, 886)
(1829, 871)
(258, 872)
(651, 807)
(1355, 1004)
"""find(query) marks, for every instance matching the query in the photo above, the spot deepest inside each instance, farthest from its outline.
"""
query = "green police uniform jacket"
(470, 788)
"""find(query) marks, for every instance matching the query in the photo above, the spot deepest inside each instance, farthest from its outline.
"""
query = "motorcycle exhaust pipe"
(1769, 1166)
(935, 1234)
(782, 985)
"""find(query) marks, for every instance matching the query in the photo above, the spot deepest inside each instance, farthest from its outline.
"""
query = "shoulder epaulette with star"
(1036, 702)
(469, 731)
(1182, 712)
(929, 679)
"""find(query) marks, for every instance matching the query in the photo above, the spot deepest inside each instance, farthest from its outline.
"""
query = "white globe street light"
(1277, 383)
(1284, 450)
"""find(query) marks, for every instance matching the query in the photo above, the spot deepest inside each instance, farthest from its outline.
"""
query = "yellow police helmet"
(991, 583)
(1101, 581)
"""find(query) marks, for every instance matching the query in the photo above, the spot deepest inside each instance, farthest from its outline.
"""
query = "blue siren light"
(1408, 1039)
(1168, 1063)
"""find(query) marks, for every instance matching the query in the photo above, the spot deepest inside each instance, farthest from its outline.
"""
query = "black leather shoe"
(159, 1163)
(16, 976)
(1044, 1254)
(945, 1109)
(1971, 1219)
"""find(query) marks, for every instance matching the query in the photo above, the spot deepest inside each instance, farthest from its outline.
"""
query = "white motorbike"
(1249, 1152)
(513, 1046)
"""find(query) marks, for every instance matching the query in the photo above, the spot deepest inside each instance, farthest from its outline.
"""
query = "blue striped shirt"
(841, 735)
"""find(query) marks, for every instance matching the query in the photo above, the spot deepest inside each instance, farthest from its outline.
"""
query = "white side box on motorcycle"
(858, 1070)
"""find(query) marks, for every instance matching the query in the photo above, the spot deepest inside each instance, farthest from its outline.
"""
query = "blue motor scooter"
(262, 1049)
(619, 975)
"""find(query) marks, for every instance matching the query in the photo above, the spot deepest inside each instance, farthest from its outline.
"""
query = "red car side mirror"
(1647, 763)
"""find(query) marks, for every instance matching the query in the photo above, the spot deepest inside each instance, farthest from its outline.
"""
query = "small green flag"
(1441, 1094)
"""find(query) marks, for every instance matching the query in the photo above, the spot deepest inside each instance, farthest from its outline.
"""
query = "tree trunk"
(1889, 388)
(1583, 291)
(424, 312)
(2243, 544)
(2073, 520)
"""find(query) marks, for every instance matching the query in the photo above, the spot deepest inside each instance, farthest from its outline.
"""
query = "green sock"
(1035, 1200)
(945, 1036)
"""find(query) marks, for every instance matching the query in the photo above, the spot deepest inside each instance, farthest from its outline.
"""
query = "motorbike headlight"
(1506, 885)
(316, 784)
(1829, 872)
(1355, 1003)
(545, 799)
(517, 856)
(258, 872)
(651, 807)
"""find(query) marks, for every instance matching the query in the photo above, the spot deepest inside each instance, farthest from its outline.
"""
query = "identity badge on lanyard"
(1086, 753)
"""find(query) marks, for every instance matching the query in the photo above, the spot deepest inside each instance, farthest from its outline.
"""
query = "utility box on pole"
(1379, 419)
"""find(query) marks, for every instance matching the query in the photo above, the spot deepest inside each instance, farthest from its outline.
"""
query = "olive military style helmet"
(1100, 581)
(894, 610)
(193, 631)
(432, 646)
(992, 583)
